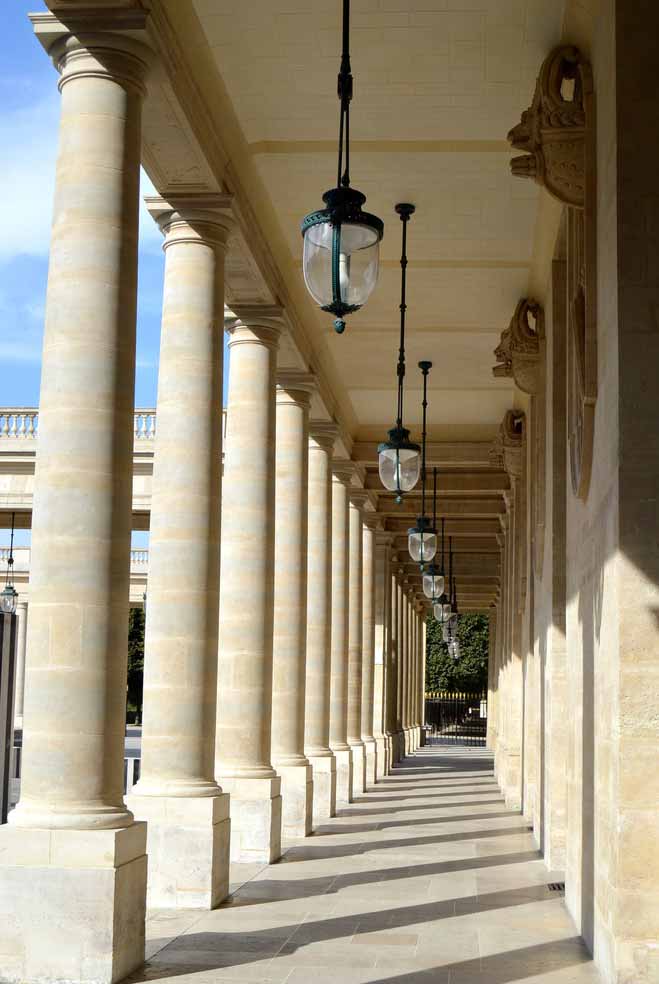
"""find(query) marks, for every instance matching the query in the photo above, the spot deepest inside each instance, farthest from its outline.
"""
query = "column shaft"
(341, 472)
(368, 648)
(355, 627)
(75, 687)
(290, 604)
(188, 840)
(246, 591)
(319, 614)
(19, 691)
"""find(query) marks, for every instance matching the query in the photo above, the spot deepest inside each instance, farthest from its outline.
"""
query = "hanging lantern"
(422, 538)
(399, 459)
(433, 579)
(341, 254)
(9, 595)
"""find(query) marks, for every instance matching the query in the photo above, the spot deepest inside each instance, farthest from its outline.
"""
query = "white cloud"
(29, 138)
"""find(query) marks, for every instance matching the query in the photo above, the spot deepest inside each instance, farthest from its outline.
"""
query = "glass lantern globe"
(444, 607)
(453, 622)
(422, 541)
(433, 584)
(341, 255)
(446, 633)
(437, 612)
(399, 462)
(8, 600)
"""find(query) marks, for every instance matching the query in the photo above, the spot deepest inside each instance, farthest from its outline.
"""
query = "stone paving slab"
(426, 879)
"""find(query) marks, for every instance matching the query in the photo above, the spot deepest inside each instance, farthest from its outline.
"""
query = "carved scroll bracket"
(518, 353)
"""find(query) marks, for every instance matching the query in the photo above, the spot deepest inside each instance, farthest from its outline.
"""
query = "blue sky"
(28, 136)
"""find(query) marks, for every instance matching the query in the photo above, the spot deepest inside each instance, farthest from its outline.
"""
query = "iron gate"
(457, 718)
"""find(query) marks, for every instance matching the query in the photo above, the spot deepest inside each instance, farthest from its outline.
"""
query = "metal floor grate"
(556, 887)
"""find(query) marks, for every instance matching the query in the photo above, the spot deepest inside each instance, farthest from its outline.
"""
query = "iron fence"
(456, 718)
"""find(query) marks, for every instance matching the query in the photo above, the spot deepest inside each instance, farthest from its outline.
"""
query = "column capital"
(383, 538)
(342, 470)
(323, 434)
(372, 521)
(93, 44)
(359, 498)
(295, 386)
(263, 324)
(195, 218)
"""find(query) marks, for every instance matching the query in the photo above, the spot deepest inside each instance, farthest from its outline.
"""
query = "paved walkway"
(428, 878)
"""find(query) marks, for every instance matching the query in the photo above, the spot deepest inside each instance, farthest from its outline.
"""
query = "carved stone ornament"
(518, 353)
(557, 134)
(506, 451)
(552, 130)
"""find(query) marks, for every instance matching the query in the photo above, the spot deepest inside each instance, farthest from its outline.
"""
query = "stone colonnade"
(283, 651)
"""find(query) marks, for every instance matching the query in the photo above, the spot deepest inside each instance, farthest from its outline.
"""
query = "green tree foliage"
(469, 672)
(135, 662)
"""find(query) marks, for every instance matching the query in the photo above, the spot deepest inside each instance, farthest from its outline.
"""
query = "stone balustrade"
(22, 423)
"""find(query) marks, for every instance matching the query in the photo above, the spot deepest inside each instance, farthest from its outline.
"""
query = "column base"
(358, 770)
(188, 846)
(256, 818)
(422, 737)
(380, 758)
(72, 904)
(371, 755)
(343, 758)
(324, 787)
(407, 742)
(400, 746)
(297, 799)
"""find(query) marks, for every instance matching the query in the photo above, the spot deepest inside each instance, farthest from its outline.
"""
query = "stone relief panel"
(557, 136)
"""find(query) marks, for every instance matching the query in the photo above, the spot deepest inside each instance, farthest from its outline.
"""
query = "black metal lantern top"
(9, 595)
(399, 459)
(341, 242)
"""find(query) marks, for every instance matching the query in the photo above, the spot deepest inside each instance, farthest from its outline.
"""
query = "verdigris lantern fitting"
(399, 459)
(341, 256)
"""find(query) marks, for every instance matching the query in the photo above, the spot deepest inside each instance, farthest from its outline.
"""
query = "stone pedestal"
(344, 776)
(188, 846)
(297, 798)
(324, 787)
(370, 760)
(72, 903)
(256, 819)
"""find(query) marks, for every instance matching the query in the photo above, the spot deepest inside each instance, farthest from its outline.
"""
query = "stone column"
(358, 498)
(391, 732)
(342, 471)
(290, 613)
(381, 650)
(187, 813)
(491, 677)
(322, 435)
(400, 674)
(247, 588)
(368, 645)
(71, 838)
(424, 643)
(405, 637)
(19, 690)
(414, 652)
